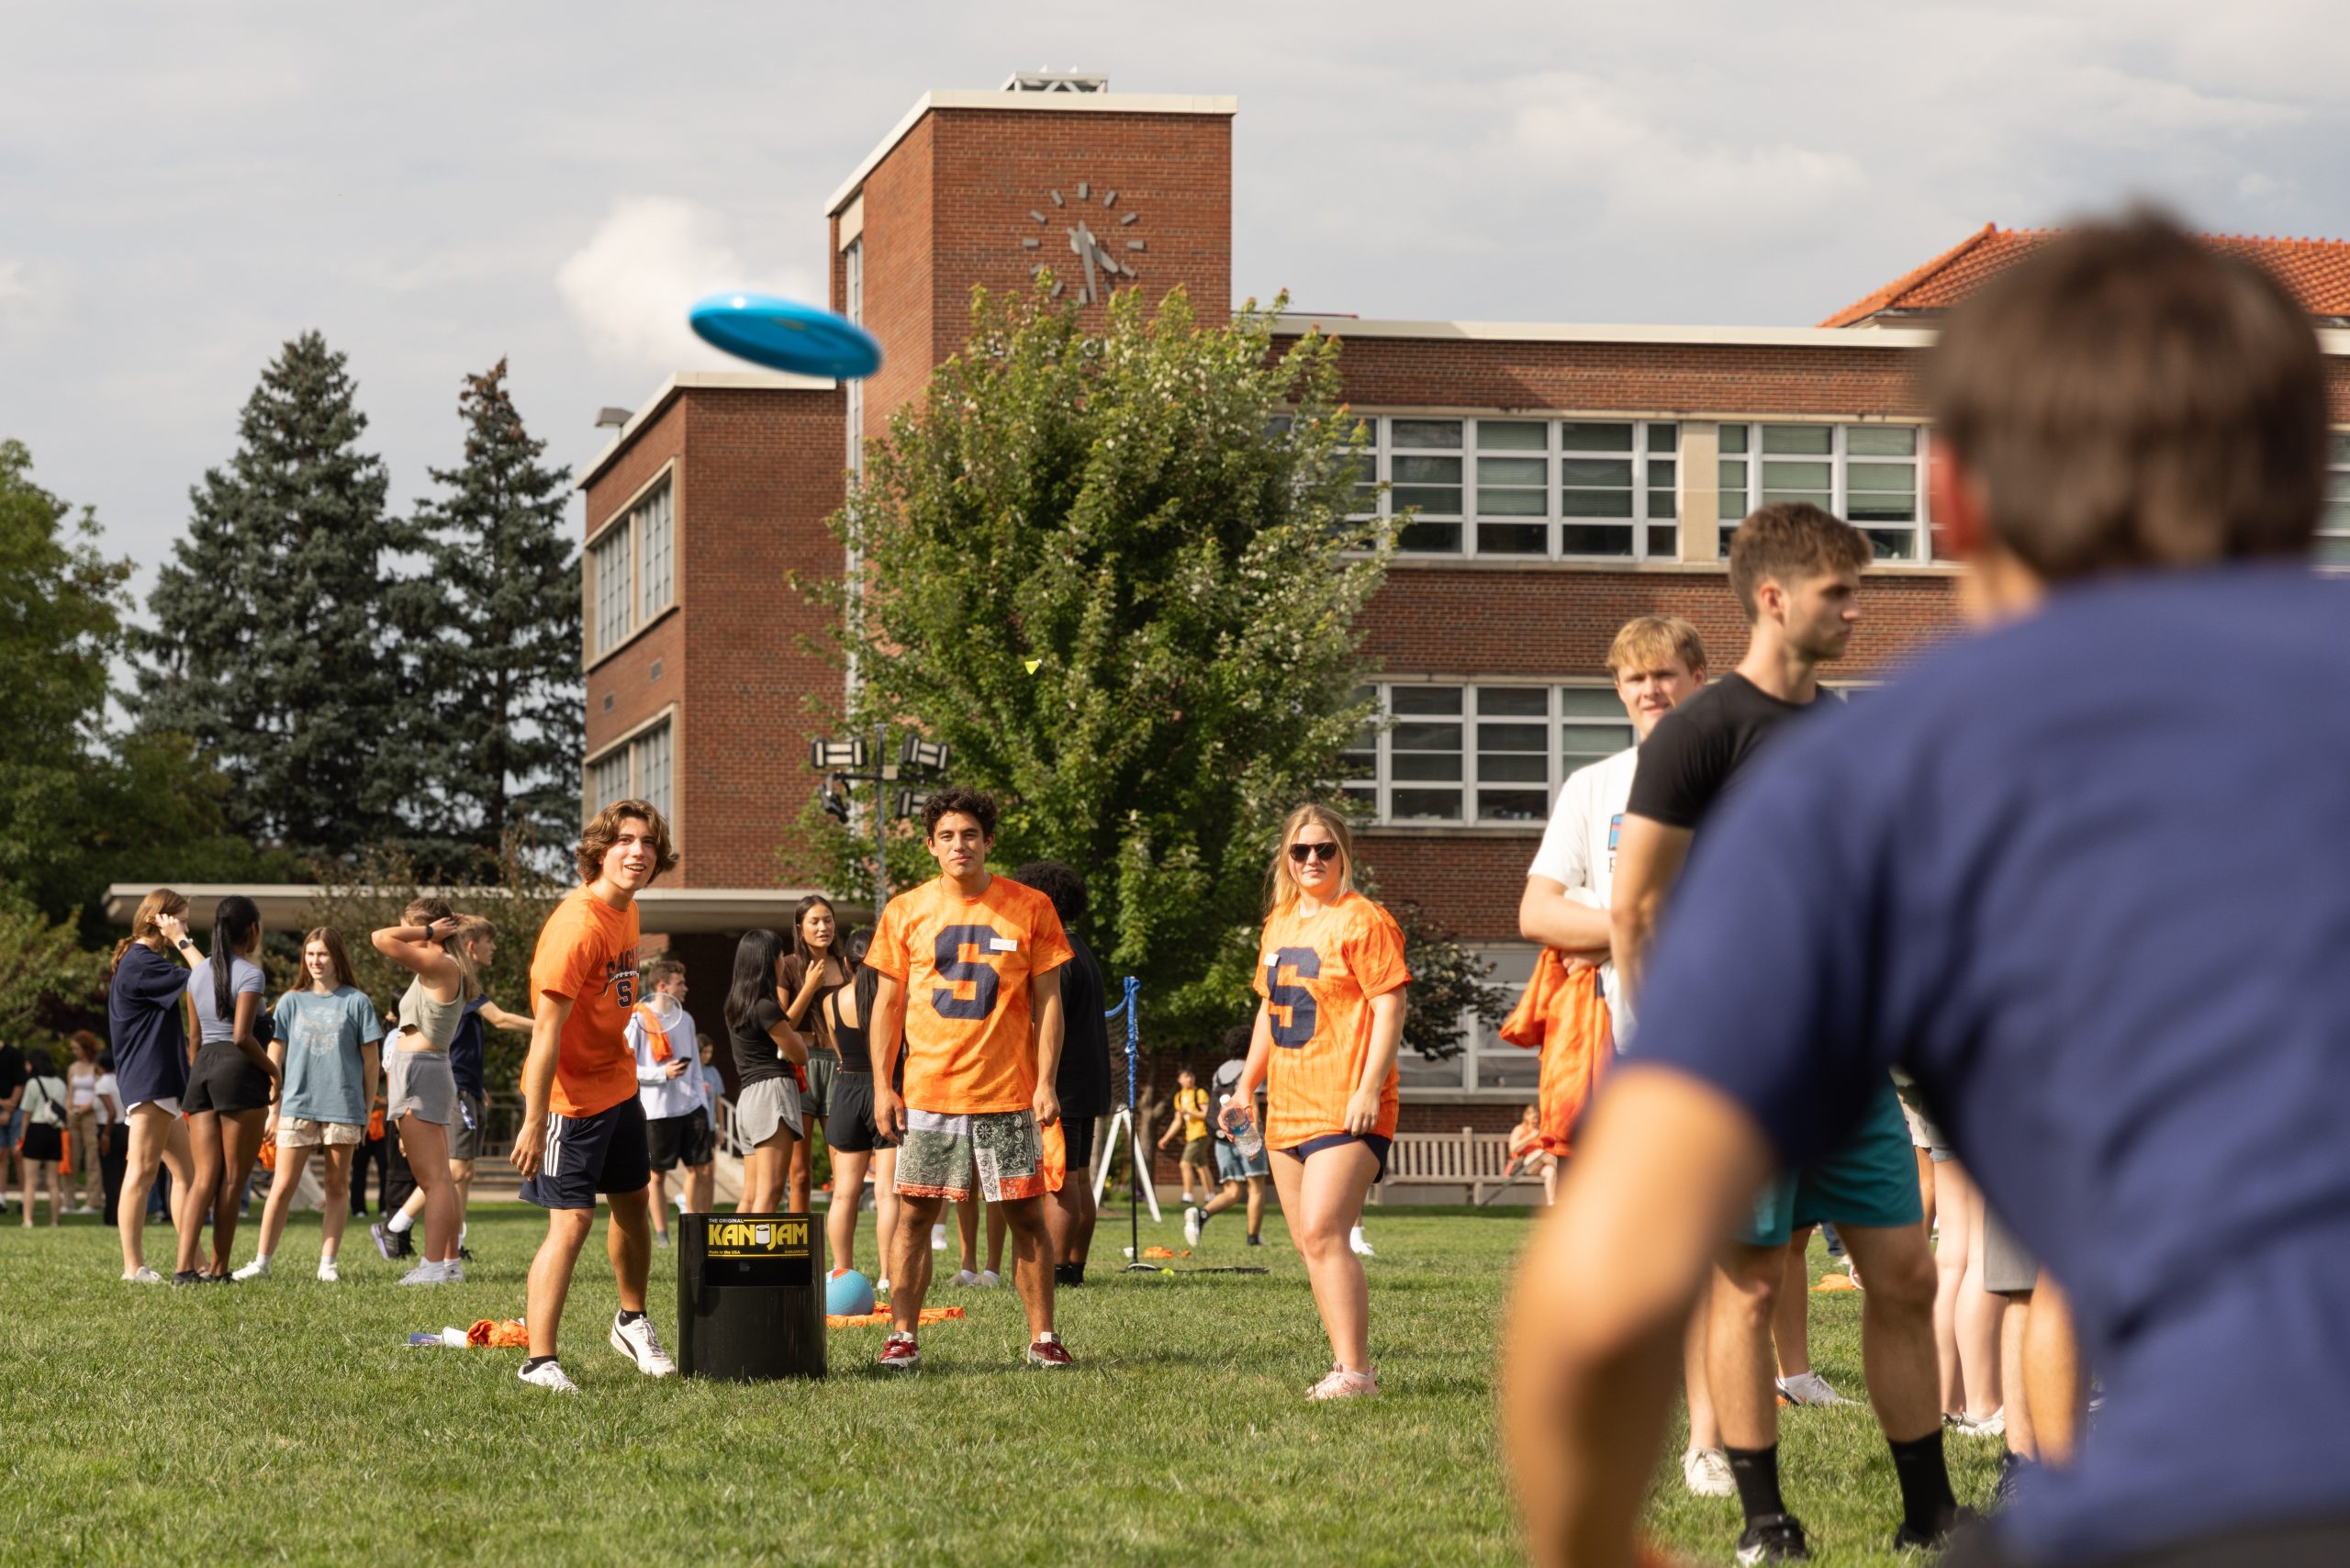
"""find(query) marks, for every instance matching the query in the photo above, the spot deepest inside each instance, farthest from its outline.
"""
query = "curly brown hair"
(603, 831)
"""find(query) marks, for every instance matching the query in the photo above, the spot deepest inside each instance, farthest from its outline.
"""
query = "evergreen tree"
(499, 657)
(274, 645)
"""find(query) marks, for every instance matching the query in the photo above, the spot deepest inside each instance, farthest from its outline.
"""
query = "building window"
(2333, 522)
(1486, 1062)
(1868, 474)
(637, 768)
(1489, 753)
(1531, 489)
(634, 565)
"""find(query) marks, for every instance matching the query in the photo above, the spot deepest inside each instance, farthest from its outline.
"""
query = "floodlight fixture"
(928, 755)
(912, 801)
(834, 803)
(825, 756)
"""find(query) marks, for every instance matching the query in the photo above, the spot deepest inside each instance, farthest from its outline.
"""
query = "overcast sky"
(182, 188)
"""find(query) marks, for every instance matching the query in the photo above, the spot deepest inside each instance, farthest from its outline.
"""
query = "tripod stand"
(1142, 1190)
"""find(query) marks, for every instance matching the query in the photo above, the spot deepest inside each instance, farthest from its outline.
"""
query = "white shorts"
(169, 1105)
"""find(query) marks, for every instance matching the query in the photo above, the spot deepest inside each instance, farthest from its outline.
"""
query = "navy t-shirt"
(466, 1047)
(2088, 878)
(143, 1016)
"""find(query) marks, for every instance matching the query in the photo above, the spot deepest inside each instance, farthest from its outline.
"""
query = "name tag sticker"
(1003, 945)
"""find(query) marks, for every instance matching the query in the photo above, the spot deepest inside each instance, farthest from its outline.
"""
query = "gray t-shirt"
(244, 975)
(325, 1077)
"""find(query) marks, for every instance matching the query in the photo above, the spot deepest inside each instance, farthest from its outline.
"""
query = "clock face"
(1098, 231)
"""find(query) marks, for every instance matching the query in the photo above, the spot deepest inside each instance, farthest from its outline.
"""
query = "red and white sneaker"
(1049, 1352)
(899, 1353)
(1344, 1384)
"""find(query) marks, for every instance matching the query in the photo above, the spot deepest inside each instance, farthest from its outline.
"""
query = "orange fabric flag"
(655, 1036)
(498, 1334)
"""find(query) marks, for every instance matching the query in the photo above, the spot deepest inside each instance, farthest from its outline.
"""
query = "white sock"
(403, 1220)
(461, 1236)
(1354, 1236)
(261, 1258)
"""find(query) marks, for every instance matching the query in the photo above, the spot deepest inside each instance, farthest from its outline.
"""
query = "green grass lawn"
(287, 1420)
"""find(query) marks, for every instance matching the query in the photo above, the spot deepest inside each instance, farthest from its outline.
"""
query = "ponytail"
(161, 902)
(232, 927)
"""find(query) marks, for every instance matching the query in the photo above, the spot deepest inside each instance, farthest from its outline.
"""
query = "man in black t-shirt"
(1083, 1080)
(1797, 572)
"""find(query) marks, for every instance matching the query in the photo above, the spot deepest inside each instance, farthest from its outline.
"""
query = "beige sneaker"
(1344, 1384)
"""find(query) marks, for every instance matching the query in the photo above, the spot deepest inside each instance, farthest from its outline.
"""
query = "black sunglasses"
(1325, 851)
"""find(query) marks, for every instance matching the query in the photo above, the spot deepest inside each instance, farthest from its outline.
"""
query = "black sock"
(1757, 1473)
(627, 1316)
(1927, 1505)
(1069, 1273)
(535, 1362)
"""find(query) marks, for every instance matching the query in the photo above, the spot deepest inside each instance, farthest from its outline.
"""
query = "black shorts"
(671, 1141)
(1077, 1137)
(223, 1080)
(587, 1155)
(43, 1142)
(851, 1128)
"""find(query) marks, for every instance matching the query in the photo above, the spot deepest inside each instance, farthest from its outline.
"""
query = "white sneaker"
(425, 1274)
(1362, 1249)
(452, 1272)
(142, 1275)
(639, 1344)
(965, 1279)
(1706, 1471)
(881, 1285)
(1192, 1220)
(1340, 1383)
(549, 1375)
(329, 1273)
(990, 1278)
(256, 1270)
(1810, 1388)
(1994, 1425)
(938, 1238)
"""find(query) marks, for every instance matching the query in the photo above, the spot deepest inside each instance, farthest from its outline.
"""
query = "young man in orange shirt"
(970, 991)
(583, 1128)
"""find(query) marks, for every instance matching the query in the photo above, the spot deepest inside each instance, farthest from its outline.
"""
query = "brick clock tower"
(700, 696)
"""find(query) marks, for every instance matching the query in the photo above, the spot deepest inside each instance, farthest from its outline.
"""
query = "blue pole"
(1134, 1124)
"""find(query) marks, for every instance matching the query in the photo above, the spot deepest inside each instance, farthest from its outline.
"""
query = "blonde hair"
(160, 902)
(1281, 883)
(1647, 641)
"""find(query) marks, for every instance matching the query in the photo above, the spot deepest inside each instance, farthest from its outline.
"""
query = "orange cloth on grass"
(498, 1334)
(1563, 1016)
(879, 1317)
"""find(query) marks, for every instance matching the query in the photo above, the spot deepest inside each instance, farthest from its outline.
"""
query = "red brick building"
(1567, 477)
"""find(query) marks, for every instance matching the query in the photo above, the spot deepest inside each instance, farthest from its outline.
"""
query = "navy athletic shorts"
(588, 1155)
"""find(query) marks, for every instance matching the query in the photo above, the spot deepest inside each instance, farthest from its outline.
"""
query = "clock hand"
(1082, 240)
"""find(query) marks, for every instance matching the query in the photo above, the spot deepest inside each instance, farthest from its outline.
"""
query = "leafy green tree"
(49, 982)
(497, 642)
(1448, 987)
(61, 622)
(274, 643)
(1120, 576)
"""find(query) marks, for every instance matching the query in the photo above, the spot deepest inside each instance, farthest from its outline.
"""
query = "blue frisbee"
(784, 334)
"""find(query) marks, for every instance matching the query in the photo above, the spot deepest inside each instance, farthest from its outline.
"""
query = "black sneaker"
(188, 1277)
(1774, 1538)
(2013, 1468)
(404, 1243)
(464, 1254)
(1910, 1538)
(1255, 1241)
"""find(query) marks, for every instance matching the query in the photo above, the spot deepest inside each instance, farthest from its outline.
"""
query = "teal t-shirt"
(322, 1033)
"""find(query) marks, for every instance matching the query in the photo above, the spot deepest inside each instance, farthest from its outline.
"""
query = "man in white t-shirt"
(668, 1085)
(1658, 661)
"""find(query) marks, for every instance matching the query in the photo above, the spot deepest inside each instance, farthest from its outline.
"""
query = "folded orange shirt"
(879, 1317)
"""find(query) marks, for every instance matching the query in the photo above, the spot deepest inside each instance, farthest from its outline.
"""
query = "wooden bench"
(1477, 1161)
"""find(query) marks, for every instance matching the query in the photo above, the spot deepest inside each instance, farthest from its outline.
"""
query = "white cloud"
(629, 286)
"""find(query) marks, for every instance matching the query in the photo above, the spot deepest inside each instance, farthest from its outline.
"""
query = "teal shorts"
(1871, 1180)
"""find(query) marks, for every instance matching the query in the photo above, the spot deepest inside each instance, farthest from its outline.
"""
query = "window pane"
(1880, 440)
(1796, 475)
(1425, 805)
(1424, 433)
(1508, 470)
(1661, 504)
(1426, 766)
(1664, 473)
(1732, 438)
(1513, 768)
(1514, 538)
(1595, 471)
(1592, 539)
(1580, 745)
(1510, 737)
(1665, 543)
(1512, 435)
(1881, 476)
(1590, 703)
(1366, 425)
(653, 770)
(1513, 805)
(1804, 438)
(1892, 544)
(1426, 471)
(1429, 538)
(1494, 701)
(1509, 503)
(613, 588)
(1881, 508)
(1577, 437)
(1429, 498)
(1425, 699)
(1663, 438)
(1595, 503)
(2332, 552)
(656, 555)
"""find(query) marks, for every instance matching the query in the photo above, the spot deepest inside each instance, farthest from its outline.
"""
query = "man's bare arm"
(538, 1081)
(1592, 1348)
(497, 1017)
(1648, 860)
(1547, 915)
(886, 1035)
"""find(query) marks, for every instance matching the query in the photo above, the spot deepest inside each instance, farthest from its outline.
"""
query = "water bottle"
(1247, 1141)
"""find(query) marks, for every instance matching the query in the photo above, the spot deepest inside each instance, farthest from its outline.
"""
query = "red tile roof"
(2316, 271)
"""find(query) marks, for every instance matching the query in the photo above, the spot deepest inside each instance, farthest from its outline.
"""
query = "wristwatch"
(183, 943)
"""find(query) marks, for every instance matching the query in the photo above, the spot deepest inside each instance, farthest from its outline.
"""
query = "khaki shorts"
(301, 1132)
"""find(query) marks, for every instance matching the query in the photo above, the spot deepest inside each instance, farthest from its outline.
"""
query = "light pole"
(842, 763)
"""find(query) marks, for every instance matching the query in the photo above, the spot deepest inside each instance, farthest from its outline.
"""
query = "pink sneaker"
(1344, 1384)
